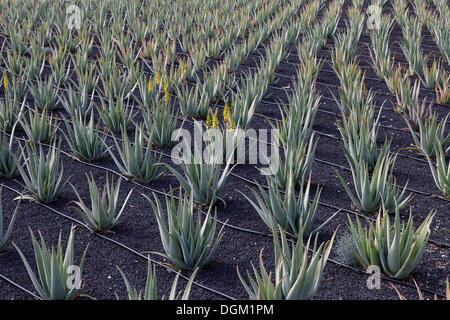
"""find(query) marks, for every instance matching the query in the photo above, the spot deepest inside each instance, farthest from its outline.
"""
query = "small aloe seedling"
(55, 269)
(397, 250)
(41, 173)
(295, 278)
(150, 290)
(188, 242)
(5, 236)
(102, 215)
(136, 159)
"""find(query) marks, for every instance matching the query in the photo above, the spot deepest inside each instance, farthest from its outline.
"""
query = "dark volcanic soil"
(138, 229)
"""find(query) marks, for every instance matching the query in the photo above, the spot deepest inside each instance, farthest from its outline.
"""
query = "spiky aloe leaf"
(53, 282)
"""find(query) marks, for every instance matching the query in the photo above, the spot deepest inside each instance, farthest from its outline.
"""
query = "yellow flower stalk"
(5, 81)
(215, 121)
(232, 125)
(208, 120)
(150, 85)
(226, 113)
(166, 93)
(158, 79)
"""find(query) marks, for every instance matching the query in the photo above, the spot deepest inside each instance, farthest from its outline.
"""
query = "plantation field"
(358, 90)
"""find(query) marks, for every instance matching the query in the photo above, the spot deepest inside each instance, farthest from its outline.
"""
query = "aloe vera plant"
(359, 137)
(10, 112)
(439, 29)
(298, 116)
(440, 171)
(353, 93)
(54, 268)
(294, 214)
(116, 114)
(188, 243)
(431, 77)
(412, 40)
(150, 290)
(204, 178)
(163, 121)
(45, 96)
(42, 174)
(84, 138)
(5, 235)
(376, 189)
(9, 159)
(396, 249)
(298, 160)
(193, 102)
(136, 159)
(296, 278)
(41, 127)
(443, 91)
(381, 56)
(102, 215)
(148, 92)
(77, 103)
(431, 132)
(408, 103)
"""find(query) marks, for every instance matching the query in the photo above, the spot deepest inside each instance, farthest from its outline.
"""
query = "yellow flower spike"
(150, 85)
(226, 113)
(233, 125)
(166, 93)
(5, 81)
(208, 120)
(158, 79)
(215, 121)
